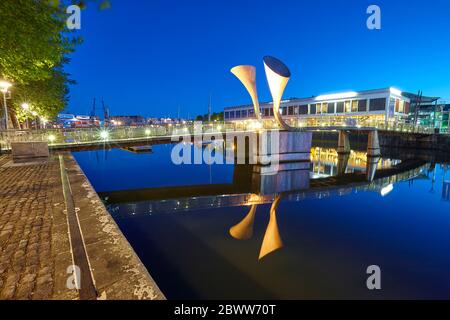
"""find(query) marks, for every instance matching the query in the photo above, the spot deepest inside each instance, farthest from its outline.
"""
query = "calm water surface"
(223, 232)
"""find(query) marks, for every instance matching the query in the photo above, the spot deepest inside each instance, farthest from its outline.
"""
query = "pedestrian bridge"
(94, 138)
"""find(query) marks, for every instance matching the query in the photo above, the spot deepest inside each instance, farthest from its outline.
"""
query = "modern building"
(365, 108)
(77, 121)
(127, 121)
(429, 111)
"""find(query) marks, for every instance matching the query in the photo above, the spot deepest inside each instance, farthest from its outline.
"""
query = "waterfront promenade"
(36, 246)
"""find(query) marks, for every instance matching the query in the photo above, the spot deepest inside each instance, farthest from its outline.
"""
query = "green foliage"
(216, 116)
(34, 44)
(33, 40)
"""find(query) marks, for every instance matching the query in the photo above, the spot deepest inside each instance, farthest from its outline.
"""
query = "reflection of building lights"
(334, 96)
(386, 190)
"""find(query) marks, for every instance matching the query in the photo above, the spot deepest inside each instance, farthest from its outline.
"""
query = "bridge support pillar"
(342, 163)
(344, 142)
(373, 144)
(371, 168)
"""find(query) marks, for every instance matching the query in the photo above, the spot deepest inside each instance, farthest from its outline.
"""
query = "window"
(271, 112)
(377, 104)
(324, 107)
(251, 112)
(355, 106)
(348, 106)
(227, 115)
(231, 114)
(266, 112)
(238, 113)
(291, 110)
(284, 111)
(303, 109)
(399, 106)
(244, 113)
(312, 109)
(362, 105)
(331, 107)
(340, 107)
(407, 105)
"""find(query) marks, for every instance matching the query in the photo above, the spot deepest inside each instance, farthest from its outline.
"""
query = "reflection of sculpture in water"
(244, 229)
(272, 239)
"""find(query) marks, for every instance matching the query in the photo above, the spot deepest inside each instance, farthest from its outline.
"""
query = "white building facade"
(365, 108)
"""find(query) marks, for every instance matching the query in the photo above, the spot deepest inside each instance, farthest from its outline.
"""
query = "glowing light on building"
(337, 96)
(51, 138)
(396, 91)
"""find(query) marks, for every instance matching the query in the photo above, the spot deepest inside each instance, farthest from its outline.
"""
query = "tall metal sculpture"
(277, 74)
(247, 75)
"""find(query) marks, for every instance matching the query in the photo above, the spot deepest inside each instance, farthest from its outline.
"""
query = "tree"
(34, 45)
(216, 116)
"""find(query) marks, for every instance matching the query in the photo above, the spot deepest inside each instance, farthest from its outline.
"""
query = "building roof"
(415, 97)
(333, 96)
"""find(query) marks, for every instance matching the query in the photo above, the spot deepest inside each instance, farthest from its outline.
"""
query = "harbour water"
(204, 232)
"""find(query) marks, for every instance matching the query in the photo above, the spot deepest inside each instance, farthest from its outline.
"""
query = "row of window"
(349, 106)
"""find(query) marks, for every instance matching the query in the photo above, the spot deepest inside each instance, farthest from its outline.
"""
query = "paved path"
(35, 247)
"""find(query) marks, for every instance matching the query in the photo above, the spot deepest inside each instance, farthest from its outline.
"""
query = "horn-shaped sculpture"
(278, 75)
(244, 229)
(272, 239)
(247, 75)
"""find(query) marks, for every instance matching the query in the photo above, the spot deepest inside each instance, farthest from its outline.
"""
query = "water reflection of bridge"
(250, 188)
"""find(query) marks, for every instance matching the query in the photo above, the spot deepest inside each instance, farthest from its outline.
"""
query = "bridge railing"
(80, 136)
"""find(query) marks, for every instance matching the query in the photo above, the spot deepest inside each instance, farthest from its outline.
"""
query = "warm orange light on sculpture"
(244, 229)
(272, 239)
(277, 75)
(247, 75)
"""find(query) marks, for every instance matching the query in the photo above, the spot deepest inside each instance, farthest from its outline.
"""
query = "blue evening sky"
(153, 57)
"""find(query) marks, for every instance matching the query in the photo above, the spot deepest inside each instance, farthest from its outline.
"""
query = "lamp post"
(44, 122)
(4, 86)
(35, 115)
(26, 107)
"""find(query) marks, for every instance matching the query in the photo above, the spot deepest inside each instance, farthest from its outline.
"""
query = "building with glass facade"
(365, 108)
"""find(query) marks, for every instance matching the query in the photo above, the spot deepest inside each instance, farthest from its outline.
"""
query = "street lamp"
(4, 86)
(35, 115)
(26, 107)
(44, 122)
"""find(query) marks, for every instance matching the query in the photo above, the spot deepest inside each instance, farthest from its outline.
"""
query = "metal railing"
(85, 136)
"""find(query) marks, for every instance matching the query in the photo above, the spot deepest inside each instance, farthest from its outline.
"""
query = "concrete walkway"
(36, 246)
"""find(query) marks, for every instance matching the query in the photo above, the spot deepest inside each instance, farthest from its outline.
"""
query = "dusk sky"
(153, 57)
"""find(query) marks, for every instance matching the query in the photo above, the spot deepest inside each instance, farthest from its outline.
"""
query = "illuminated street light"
(51, 138)
(4, 86)
(44, 121)
(104, 134)
(26, 107)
